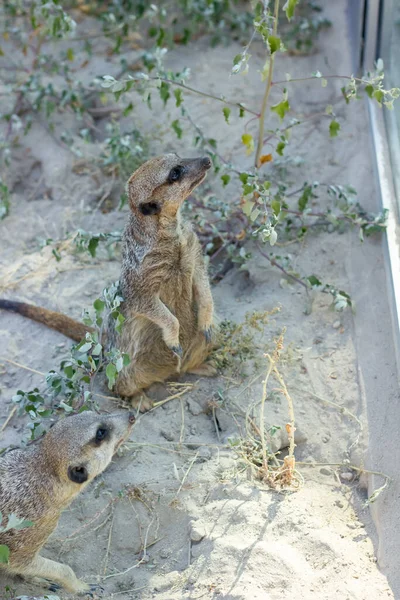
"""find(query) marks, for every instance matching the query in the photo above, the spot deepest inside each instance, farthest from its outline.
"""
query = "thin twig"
(186, 474)
(194, 90)
(16, 364)
(139, 562)
(177, 395)
(262, 423)
(278, 266)
(10, 416)
(109, 542)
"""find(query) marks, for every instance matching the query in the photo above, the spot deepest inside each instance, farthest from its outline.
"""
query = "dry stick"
(177, 395)
(375, 493)
(262, 424)
(267, 92)
(291, 428)
(139, 562)
(214, 416)
(109, 543)
(186, 474)
(10, 416)
(182, 434)
(13, 362)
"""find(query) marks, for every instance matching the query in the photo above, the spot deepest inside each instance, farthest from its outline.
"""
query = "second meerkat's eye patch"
(175, 174)
(150, 208)
(102, 434)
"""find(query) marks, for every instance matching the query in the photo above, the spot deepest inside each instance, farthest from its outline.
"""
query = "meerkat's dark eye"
(101, 434)
(175, 174)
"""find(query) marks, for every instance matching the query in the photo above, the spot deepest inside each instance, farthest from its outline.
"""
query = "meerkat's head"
(80, 447)
(161, 184)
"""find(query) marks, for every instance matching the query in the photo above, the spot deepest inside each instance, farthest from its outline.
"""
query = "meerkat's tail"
(65, 325)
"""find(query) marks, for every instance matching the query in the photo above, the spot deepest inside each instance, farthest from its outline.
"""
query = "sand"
(177, 514)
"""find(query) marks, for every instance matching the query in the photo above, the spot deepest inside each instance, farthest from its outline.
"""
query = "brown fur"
(69, 327)
(168, 304)
(36, 484)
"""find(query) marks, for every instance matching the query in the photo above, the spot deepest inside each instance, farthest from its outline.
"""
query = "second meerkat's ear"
(149, 208)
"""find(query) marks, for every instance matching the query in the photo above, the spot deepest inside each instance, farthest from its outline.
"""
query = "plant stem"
(319, 78)
(262, 424)
(275, 264)
(190, 89)
(264, 105)
(291, 429)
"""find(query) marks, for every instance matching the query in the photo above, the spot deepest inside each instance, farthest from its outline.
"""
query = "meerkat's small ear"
(149, 208)
(78, 474)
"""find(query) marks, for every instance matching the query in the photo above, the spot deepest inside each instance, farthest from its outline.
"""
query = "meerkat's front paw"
(54, 587)
(94, 591)
(142, 402)
(177, 350)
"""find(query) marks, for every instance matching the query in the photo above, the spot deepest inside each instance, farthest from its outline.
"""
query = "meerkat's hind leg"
(57, 573)
(206, 370)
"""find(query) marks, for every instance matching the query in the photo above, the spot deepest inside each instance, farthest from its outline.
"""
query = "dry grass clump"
(239, 343)
(264, 464)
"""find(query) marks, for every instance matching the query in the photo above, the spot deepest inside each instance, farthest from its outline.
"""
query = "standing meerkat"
(167, 300)
(39, 483)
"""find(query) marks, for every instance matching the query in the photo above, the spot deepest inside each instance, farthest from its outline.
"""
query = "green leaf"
(99, 305)
(128, 109)
(276, 207)
(177, 128)
(314, 281)
(225, 179)
(70, 54)
(227, 112)
(304, 198)
(334, 128)
(111, 373)
(244, 177)
(379, 96)
(119, 322)
(241, 112)
(247, 207)
(4, 554)
(281, 109)
(274, 43)
(289, 8)
(84, 347)
(15, 522)
(273, 237)
(92, 246)
(178, 97)
(280, 148)
(164, 92)
(126, 359)
(248, 141)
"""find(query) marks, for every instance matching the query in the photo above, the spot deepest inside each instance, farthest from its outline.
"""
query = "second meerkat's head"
(161, 184)
(78, 448)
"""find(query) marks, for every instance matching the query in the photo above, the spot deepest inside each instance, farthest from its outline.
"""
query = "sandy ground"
(209, 529)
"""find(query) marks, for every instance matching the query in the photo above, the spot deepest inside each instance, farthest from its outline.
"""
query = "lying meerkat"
(168, 306)
(37, 484)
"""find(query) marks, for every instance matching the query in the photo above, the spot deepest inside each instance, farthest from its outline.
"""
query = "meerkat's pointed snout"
(206, 162)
